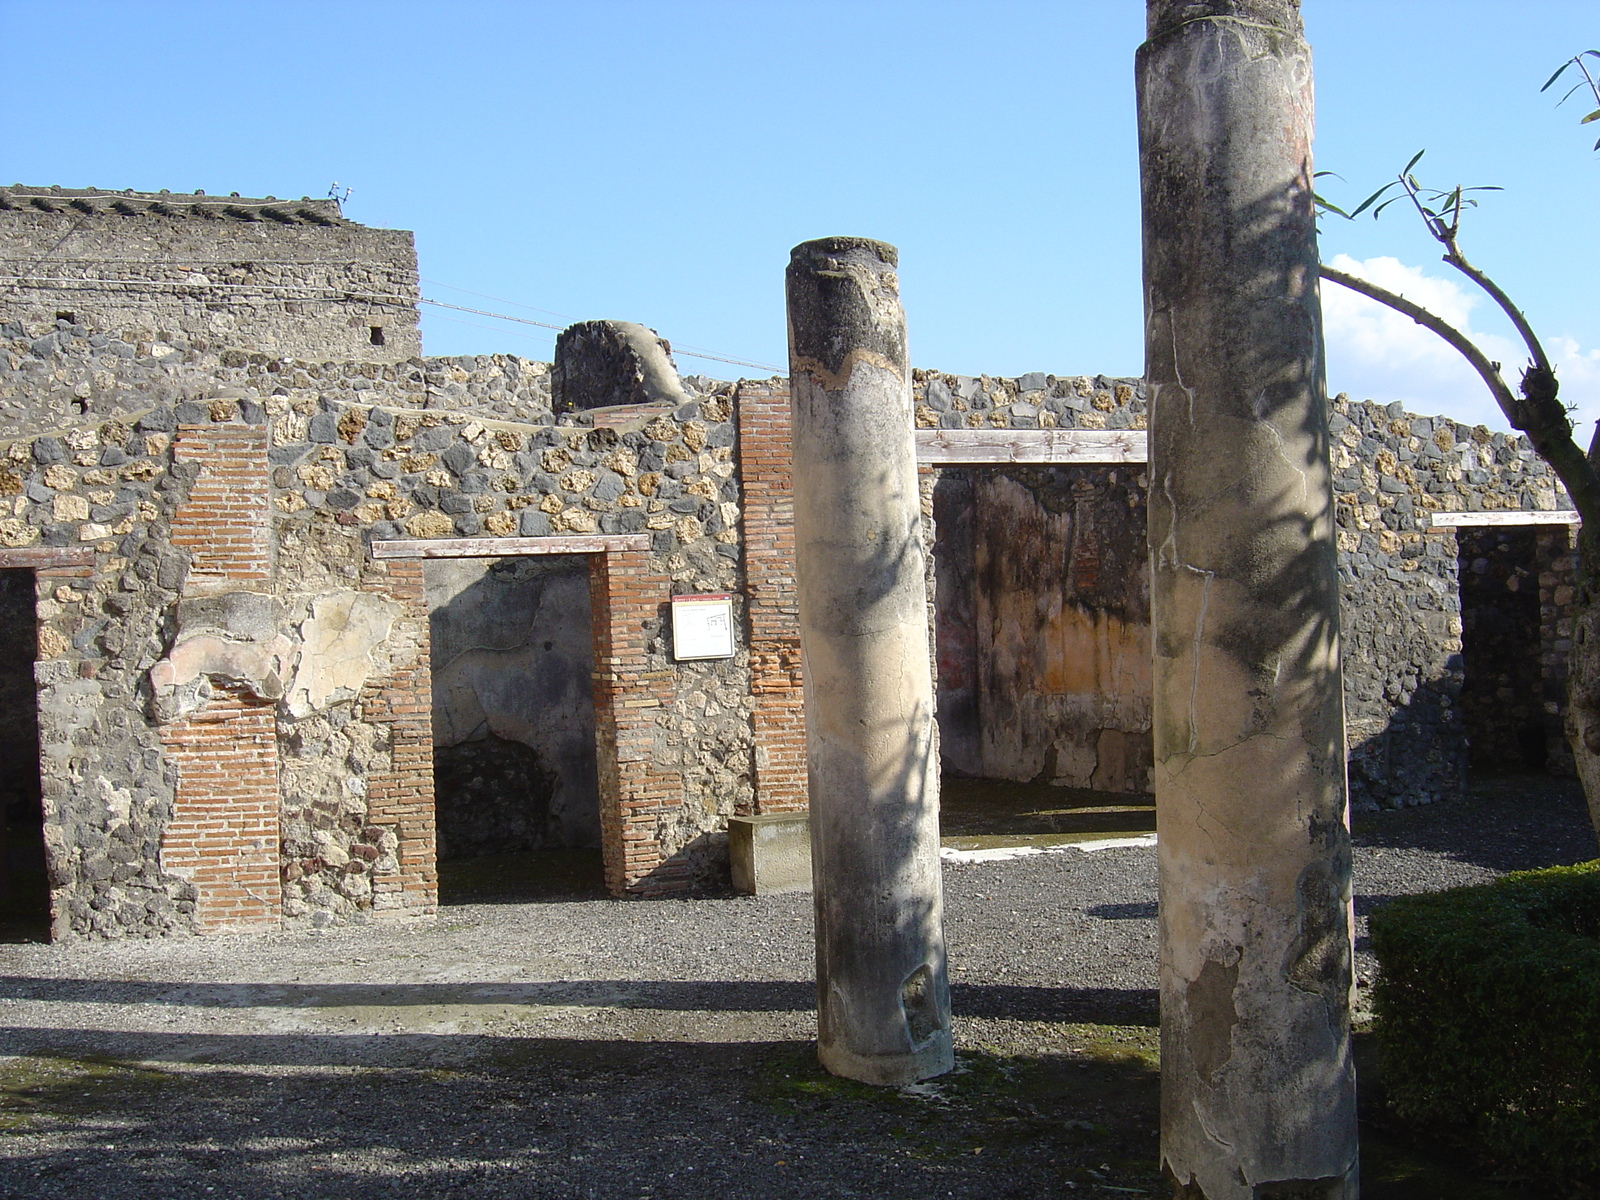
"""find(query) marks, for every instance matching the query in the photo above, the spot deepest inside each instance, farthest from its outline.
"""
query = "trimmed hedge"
(1488, 1017)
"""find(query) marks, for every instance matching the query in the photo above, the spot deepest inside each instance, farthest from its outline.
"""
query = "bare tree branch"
(1537, 413)
(1489, 370)
(1459, 261)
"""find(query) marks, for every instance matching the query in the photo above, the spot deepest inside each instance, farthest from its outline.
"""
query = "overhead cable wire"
(517, 333)
(498, 299)
(20, 281)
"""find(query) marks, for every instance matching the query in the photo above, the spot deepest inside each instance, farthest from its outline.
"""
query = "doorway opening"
(1501, 694)
(1042, 636)
(516, 791)
(24, 884)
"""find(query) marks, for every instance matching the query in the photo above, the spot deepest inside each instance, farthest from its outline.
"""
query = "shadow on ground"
(1503, 822)
(560, 1118)
(1015, 1002)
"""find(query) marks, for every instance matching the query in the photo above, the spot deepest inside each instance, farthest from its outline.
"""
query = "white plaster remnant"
(956, 857)
(230, 637)
(336, 645)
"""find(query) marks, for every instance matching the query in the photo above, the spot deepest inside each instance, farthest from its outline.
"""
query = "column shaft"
(1258, 1088)
(883, 1009)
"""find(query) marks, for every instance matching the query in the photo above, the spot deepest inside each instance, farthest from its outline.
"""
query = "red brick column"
(400, 801)
(224, 833)
(625, 596)
(771, 607)
(223, 836)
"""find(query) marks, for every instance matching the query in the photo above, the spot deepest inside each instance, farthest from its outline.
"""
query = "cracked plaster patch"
(336, 645)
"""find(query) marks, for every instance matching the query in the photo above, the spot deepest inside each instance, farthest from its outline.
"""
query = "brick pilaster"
(771, 605)
(401, 799)
(223, 523)
(626, 599)
(224, 833)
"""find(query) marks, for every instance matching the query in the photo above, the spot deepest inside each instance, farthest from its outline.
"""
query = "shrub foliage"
(1488, 1007)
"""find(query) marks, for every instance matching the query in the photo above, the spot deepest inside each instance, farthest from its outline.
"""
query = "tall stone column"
(1258, 1089)
(883, 997)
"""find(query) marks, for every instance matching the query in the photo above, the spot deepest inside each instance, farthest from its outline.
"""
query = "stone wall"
(1401, 606)
(132, 657)
(285, 278)
(227, 439)
(66, 372)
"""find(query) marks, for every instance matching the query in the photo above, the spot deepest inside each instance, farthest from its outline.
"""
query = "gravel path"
(601, 1049)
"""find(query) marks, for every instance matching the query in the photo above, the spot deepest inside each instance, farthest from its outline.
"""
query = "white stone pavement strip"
(950, 854)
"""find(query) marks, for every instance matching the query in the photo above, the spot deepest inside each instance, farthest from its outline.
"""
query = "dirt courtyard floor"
(584, 1047)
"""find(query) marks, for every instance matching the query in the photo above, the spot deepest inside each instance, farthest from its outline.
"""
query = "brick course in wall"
(637, 791)
(771, 602)
(223, 525)
(223, 835)
(398, 839)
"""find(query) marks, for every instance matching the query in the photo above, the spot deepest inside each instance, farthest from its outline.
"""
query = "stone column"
(883, 998)
(1258, 1089)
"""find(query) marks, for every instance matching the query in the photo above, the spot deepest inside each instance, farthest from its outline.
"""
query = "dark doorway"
(24, 887)
(516, 794)
(1501, 695)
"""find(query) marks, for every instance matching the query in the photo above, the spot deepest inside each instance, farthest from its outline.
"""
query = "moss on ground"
(38, 1089)
(1081, 1116)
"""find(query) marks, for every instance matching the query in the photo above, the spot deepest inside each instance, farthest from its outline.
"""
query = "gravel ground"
(592, 1048)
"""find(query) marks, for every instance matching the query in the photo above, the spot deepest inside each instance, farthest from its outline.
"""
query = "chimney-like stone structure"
(883, 996)
(599, 364)
(1258, 1088)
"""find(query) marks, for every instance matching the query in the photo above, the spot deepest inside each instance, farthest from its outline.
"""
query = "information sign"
(702, 626)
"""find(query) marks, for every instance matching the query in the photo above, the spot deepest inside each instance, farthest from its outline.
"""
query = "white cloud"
(1374, 353)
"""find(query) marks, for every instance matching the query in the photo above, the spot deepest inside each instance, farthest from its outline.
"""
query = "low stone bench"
(770, 854)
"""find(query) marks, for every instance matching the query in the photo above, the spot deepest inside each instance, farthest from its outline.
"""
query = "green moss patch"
(36, 1090)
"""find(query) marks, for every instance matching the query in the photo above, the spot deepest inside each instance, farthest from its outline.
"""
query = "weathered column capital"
(844, 308)
(1162, 16)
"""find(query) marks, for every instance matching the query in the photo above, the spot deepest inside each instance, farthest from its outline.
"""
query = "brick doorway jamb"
(625, 598)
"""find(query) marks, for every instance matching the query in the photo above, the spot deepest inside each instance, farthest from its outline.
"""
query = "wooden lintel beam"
(510, 547)
(47, 556)
(981, 447)
(1560, 516)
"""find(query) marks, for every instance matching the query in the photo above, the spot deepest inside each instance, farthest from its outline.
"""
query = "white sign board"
(702, 626)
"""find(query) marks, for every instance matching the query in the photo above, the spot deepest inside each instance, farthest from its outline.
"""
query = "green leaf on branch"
(1561, 70)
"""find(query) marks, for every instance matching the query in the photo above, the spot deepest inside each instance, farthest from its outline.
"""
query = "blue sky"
(656, 161)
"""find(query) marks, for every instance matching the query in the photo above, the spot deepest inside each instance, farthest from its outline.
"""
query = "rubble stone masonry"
(233, 699)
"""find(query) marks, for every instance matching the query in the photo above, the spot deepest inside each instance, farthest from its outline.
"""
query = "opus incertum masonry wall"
(240, 704)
